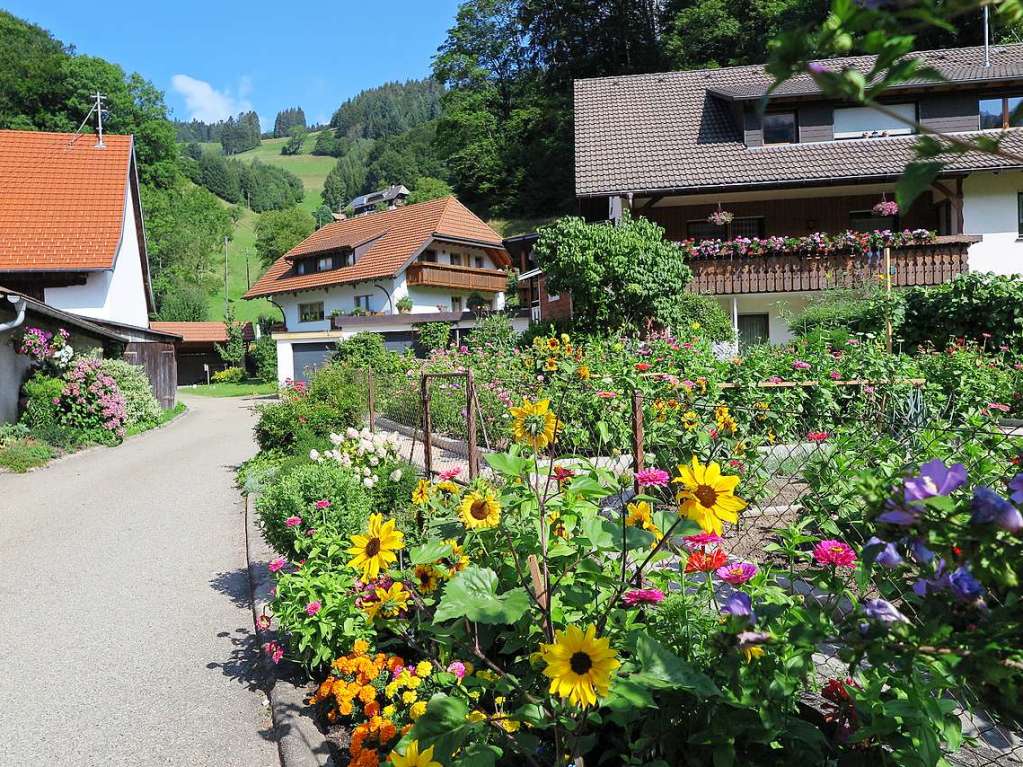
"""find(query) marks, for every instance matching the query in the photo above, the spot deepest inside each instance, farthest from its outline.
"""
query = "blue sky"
(213, 58)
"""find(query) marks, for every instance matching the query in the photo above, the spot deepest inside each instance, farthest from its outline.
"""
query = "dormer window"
(780, 128)
(1000, 113)
(324, 263)
(867, 122)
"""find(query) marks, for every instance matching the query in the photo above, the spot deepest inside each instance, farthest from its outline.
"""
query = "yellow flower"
(414, 682)
(475, 716)
(639, 514)
(579, 665)
(535, 425)
(447, 486)
(690, 420)
(752, 653)
(550, 364)
(393, 600)
(417, 710)
(457, 560)
(707, 496)
(424, 668)
(408, 697)
(557, 525)
(375, 551)
(695, 325)
(428, 578)
(391, 690)
(480, 509)
(508, 725)
(413, 758)
(421, 494)
(583, 371)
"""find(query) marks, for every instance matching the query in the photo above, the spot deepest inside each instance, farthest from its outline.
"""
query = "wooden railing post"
(424, 394)
(470, 415)
(371, 399)
(637, 435)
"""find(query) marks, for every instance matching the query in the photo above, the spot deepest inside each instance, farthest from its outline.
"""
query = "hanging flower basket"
(886, 208)
(720, 217)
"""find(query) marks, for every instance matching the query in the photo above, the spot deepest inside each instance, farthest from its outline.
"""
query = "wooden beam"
(651, 202)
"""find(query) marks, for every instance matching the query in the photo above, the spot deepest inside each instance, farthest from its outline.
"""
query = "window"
(704, 230)
(1019, 214)
(362, 302)
(456, 303)
(325, 263)
(456, 259)
(780, 128)
(428, 257)
(869, 221)
(754, 329)
(867, 122)
(479, 262)
(302, 267)
(996, 114)
(751, 226)
(310, 312)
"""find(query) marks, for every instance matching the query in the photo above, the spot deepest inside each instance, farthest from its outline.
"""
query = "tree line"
(235, 134)
(257, 185)
(287, 119)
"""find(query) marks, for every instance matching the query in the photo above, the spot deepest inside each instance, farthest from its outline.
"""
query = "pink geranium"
(277, 564)
(653, 477)
(322, 504)
(293, 521)
(834, 553)
(643, 597)
(736, 574)
(274, 651)
(313, 607)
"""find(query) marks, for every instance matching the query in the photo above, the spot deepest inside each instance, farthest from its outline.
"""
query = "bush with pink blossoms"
(91, 400)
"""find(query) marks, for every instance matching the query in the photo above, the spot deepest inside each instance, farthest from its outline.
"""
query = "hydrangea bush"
(91, 400)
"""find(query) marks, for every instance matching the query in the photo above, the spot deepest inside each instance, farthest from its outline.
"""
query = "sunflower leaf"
(473, 594)
(442, 726)
(429, 552)
(661, 668)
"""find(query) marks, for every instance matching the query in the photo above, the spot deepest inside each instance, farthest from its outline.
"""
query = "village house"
(677, 147)
(384, 272)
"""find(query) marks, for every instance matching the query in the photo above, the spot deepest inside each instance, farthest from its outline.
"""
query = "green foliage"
(141, 408)
(323, 216)
(295, 141)
(366, 350)
(258, 185)
(348, 176)
(279, 231)
(264, 356)
(404, 304)
(426, 188)
(182, 302)
(241, 133)
(233, 351)
(287, 120)
(388, 109)
(21, 455)
(326, 145)
(433, 335)
(621, 276)
(696, 309)
(40, 392)
(493, 333)
(295, 495)
(404, 157)
(335, 399)
(981, 307)
(229, 375)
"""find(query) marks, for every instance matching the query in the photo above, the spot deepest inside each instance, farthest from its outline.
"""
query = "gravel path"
(126, 630)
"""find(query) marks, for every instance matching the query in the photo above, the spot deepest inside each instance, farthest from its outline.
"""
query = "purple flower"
(921, 553)
(1016, 486)
(887, 553)
(739, 605)
(935, 479)
(737, 574)
(990, 508)
(882, 611)
(894, 514)
(964, 586)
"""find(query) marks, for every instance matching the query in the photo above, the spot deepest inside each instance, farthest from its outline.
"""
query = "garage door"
(309, 358)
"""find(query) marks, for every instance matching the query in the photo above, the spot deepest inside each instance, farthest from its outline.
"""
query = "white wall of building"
(775, 305)
(990, 208)
(336, 298)
(285, 362)
(118, 294)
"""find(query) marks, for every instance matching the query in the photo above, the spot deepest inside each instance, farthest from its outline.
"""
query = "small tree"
(295, 141)
(620, 276)
(323, 216)
(278, 231)
(233, 352)
(434, 335)
(427, 188)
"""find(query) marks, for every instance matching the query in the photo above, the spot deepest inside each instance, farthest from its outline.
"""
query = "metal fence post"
(424, 393)
(470, 415)
(637, 435)
(371, 399)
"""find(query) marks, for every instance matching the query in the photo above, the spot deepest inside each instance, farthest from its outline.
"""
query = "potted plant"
(404, 305)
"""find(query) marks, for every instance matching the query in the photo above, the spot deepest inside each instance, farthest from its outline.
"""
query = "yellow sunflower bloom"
(428, 578)
(639, 514)
(374, 551)
(413, 757)
(707, 496)
(534, 425)
(579, 665)
(480, 509)
(394, 599)
(449, 487)
(422, 492)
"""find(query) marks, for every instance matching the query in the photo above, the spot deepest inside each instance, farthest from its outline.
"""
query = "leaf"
(473, 594)
(662, 668)
(442, 726)
(917, 178)
(507, 464)
(479, 755)
(430, 551)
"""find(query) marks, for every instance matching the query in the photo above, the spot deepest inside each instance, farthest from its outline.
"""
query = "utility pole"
(226, 297)
(248, 279)
(99, 119)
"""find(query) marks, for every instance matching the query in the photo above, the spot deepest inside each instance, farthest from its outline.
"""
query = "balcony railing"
(456, 277)
(919, 264)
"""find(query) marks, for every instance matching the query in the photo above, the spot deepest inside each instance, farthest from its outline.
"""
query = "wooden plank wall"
(161, 366)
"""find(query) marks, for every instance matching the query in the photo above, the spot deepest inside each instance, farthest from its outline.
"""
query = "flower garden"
(818, 561)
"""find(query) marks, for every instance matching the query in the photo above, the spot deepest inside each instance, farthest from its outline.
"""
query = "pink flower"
(313, 607)
(701, 540)
(834, 553)
(999, 406)
(277, 564)
(449, 474)
(274, 650)
(643, 597)
(606, 394)
(737, 573)
(323, 504)
(817, 436)
(457, 668)
(800, 365)
(835, 375)
(293, 521)
(263, 623)
(653, 477)
(775, 379)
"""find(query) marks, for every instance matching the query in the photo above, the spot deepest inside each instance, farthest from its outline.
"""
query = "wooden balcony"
(923, 264)
(456, 277)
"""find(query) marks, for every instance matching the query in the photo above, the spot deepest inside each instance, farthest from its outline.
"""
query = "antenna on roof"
(98, 109)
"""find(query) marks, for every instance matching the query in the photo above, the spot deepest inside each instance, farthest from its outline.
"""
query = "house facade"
(71, 229)
(682, 148)
(384, 272)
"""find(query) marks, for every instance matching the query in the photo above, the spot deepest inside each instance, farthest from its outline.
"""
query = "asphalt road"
(126, 636)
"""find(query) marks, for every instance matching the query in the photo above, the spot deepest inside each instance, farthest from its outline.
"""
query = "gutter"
(19, 307)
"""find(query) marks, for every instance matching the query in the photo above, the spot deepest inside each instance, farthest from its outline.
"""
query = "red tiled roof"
(200, 332)
(62, 200)
(395, 236)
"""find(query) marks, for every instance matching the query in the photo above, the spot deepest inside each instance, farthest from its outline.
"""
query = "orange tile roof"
(200, 332)
(396, 235)
(62, 200)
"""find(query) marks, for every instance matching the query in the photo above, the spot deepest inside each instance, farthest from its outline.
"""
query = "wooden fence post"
(637, 435)
(424, 394)
(371, 398)
(470, 415)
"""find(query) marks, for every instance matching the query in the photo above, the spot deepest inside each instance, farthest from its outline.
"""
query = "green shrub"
(140, 406)
(25, 454)
(230, 375)
(433, 335)
(981, 307)
(41, 410)
(494, 332)
(264, 356)
(695, 309)
(335, 399)
(838, 313)
(12, 432)
(295, 493)
(366, 350)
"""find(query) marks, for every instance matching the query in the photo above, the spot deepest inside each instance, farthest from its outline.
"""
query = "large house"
(384, 272)
(677, 147)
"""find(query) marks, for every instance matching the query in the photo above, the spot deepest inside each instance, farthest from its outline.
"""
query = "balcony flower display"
(816, 244)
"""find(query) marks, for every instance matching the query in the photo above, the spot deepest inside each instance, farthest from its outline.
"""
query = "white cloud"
(206, 103)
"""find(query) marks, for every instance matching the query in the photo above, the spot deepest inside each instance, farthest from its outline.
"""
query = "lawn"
(245, 389)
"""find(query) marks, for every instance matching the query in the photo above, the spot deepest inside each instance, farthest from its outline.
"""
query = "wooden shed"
(197, 352)
(156, 351)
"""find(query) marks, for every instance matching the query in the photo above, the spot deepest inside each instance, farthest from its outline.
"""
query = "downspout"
(19, 307)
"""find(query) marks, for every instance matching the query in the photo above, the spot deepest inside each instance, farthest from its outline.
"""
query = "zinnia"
(313, 607)
(449, 474)
(702, 540)
(737, 574)
(705, 562)
(653, 477)
(323, 504)
(293, 521)
(277, 564)
(816, 436)
(834, 553)
(643, 597)
(274, 651)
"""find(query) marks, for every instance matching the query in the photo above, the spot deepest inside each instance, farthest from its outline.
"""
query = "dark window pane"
(748, 227)
(704, 230)
(1019, 214)
(780, 128)
(990, 113)
(868, 221)
(753, 330)
(1015, 112)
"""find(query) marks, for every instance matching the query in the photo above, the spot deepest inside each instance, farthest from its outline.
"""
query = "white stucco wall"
(990, 208)
(119, 294)
(774, 305)
(285, 362)
(13, 368)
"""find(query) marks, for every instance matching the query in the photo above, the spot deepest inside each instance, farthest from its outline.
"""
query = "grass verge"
(25, 454)
(166, 416)
(245, 389)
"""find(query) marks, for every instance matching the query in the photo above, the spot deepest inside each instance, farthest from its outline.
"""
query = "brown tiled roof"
(62, 200)
(395, 237)
(667, 132)
(200, 332)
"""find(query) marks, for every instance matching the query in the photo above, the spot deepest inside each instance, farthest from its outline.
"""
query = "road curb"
(300, 743)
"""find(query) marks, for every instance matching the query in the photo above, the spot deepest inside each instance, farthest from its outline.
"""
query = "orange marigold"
(387, 732)
(360, 647)
(394, 661)
(371, 709)
(367, 694)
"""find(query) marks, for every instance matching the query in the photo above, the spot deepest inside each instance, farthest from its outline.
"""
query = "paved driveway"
(125, 629)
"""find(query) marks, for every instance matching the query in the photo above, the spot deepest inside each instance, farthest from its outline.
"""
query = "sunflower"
(422, 492)
(413, 757)
(579, 665)
(375, 550)
(535, 425)
(457, 560)
(640, 514)
(428, 578)
(707, 496)
(480, 509)
(448, 487)
(388, 602)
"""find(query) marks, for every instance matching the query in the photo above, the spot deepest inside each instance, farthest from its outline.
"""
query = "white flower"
(337, 439)
(352, 433)
(314, 455)
(346, 460)
(374, 461)
(365, 471)
(396, 475)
